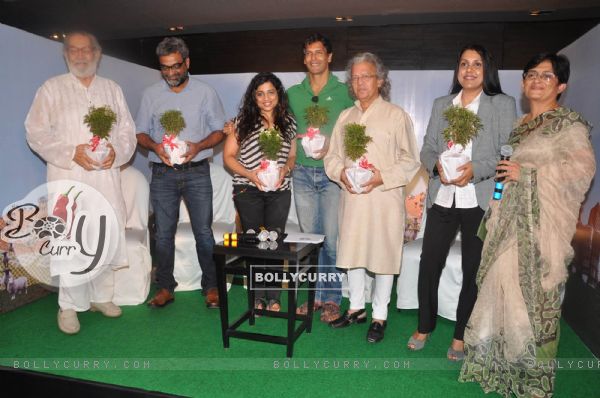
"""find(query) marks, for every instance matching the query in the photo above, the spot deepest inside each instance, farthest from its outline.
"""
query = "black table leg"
(291, 316)
(223, 305)
(314, 261)
(251, 295)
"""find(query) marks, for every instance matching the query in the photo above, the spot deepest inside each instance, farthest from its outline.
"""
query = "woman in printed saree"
(512, 336)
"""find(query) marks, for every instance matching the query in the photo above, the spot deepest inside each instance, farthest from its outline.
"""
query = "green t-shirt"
(333, 96)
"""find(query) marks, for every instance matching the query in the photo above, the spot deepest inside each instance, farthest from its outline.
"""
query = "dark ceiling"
(126, 19)
(227, 36)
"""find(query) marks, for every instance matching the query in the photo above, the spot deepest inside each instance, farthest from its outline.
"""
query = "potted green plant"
(100, 121)
(463, 126)
(270, 143)
(355, 147)
(173, 123)
(313, 141)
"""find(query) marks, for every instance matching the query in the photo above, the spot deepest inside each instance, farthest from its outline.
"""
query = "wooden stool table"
(234, 260)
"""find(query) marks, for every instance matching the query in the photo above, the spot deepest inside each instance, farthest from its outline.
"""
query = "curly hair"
(249, 116)
(382, 73)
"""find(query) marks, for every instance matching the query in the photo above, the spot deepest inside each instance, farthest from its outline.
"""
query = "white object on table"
(301, 237)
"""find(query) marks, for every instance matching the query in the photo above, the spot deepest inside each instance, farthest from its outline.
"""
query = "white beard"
(88, 71)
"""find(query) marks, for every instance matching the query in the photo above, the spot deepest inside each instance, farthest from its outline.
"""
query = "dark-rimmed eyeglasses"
(167, 68)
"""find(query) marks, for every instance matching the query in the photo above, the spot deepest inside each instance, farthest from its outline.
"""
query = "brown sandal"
(331, 312)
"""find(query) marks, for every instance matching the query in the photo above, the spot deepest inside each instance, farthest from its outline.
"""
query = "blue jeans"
(167, 188)
(316, 198)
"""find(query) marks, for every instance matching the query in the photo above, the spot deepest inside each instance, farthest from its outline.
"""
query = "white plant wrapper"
(269, 176)
(358, 176)
(313, 145)
(451, 159)
(100, 153)
(175, 154)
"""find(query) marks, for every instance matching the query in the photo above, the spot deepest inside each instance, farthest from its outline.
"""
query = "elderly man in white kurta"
(56, 131)
(372, 222)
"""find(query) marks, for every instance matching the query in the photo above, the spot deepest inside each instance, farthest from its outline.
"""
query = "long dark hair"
(249, 117)
(491, 81)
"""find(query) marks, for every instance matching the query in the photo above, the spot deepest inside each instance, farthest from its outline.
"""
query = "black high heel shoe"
(347, 319)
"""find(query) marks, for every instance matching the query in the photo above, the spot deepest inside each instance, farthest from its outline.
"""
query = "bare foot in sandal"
(274, 305)
(259, 304)
(417, 341)
(303, 309)
(456, 352)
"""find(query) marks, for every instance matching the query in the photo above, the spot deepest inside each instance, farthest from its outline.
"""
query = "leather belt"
(185, 166)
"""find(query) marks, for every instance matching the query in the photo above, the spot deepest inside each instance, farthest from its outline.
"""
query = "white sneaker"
(107, 309)
(68, 322)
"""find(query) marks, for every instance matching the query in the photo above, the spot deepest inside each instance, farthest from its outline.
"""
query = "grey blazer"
(498, 114)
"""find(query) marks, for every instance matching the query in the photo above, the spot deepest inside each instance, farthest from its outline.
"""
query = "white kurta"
(55, 127)
(371, 226)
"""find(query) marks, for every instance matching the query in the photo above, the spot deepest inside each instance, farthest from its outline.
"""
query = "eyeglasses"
(81, 50)
(543, 76)
(166, 68)
(366, 78)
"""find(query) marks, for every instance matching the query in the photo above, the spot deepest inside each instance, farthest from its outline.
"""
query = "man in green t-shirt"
(316, 196)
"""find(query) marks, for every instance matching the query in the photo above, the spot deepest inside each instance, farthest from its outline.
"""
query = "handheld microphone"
(506, 152)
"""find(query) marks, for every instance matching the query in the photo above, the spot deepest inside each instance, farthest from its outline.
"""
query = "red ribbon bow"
(168, 141)
(450, 144)
(364, 163)
(94, 142)
(310, 133)
(264, 164)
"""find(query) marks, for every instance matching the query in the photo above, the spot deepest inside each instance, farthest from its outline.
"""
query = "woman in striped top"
(264, 106)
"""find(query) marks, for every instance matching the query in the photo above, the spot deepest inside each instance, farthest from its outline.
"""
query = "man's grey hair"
(170, 45)
(89, 35)
(382, 73)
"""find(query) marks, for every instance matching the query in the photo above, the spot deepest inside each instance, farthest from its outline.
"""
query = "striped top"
(251, 154)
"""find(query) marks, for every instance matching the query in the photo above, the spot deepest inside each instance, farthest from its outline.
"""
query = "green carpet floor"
(178, 350)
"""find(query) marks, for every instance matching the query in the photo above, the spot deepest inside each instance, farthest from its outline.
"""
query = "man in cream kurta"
(371, 226)
(56, 131)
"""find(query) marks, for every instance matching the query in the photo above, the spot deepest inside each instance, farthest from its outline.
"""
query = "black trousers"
(440, 230)
(262, 209)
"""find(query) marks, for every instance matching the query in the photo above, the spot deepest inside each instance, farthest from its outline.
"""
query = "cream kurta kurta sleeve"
(372, 225)
(55, 127)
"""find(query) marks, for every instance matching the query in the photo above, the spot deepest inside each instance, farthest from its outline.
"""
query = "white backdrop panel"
(412, 90)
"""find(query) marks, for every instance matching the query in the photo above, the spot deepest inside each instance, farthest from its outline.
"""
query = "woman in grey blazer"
(459, 204)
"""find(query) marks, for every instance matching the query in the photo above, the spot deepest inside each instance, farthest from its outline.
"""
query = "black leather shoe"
(347, 319)
(375, 333)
